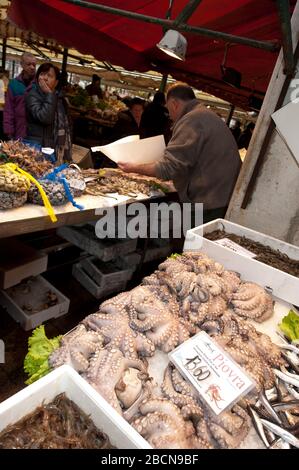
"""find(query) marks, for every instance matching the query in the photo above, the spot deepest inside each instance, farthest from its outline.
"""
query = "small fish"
(263, 400)
(292, 391)
(287, 377)
(287, 405)
(286, 435)
(258, 426)
(280, 444)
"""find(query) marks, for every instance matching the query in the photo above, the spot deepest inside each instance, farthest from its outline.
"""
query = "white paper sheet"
(286, 120)
(132, 149)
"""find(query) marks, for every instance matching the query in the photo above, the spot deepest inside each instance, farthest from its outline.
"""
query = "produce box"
(18, 261)
(34, 301)
(67, 380)
(281, 284)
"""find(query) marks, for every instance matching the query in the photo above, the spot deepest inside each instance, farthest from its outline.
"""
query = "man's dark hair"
(45, 67)
(96, 78)
(136, 101)
(180, 91)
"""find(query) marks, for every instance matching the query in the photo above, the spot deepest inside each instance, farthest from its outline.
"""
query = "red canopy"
(132, 44)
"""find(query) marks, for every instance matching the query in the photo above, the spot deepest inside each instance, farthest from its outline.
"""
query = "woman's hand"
(44, 86)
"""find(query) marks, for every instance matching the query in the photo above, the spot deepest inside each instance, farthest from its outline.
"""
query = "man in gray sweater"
(201, 158)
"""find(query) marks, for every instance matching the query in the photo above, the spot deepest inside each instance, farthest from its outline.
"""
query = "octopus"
(247, 358)
(214, 308)
(200, 263)
(162, 425)
(76, 348)
(227, 430)
(252, 301)
(174, 265)
(118, 334)
(118, 379)
(150, 315)
(181, 393)
(259, 343)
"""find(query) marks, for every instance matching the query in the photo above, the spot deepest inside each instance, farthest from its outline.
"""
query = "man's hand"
(148, 169)
(128, 167)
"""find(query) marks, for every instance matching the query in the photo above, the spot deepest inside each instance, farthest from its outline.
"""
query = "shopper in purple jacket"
(14, 114)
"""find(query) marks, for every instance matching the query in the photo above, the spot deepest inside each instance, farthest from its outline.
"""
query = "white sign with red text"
(217, 378)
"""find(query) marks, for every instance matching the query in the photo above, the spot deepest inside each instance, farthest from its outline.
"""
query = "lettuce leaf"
(290, 325)
(36, 363)
(175, 255)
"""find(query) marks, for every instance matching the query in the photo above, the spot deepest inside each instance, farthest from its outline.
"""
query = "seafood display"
(55, 189)
(13, 188)
(26, 157)
(11, 181)
(264, 254)
(11, 200)
(188, 293)
(102, 182)
(60, 424)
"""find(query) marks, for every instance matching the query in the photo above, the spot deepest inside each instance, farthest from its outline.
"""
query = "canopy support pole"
(230, 114)
(287, 43)
(3, 53)
(64, 59)
(169, 24)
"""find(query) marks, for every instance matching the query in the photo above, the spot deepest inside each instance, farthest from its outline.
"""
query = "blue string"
(53, 176)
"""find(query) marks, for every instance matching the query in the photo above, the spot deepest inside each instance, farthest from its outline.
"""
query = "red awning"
(132, 44)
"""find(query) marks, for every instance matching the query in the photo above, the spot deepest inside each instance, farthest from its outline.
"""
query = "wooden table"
(32, 218)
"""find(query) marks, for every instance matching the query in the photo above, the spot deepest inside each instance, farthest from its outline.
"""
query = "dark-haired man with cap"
(201, 158)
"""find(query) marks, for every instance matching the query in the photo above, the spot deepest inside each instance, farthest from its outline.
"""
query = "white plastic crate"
(65, 379)
(282, 285)
(15, 299)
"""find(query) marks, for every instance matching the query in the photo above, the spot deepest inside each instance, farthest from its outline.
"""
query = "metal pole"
(4, 53)
(163, 82)
(287, 43)
(187, 11)
(64, 60)
(169, 24)
(230, 114)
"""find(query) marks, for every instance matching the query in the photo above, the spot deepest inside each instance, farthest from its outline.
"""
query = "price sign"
(218, 379)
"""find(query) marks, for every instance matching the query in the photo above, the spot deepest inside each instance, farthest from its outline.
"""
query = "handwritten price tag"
(227, 243)
(218, 379)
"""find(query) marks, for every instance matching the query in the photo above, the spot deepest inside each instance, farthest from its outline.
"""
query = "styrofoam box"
(282, 285)
(39, 290)
(65, 379)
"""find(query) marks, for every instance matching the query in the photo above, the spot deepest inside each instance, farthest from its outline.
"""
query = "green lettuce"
(290, 325)
(175, 255)
(36, 363)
